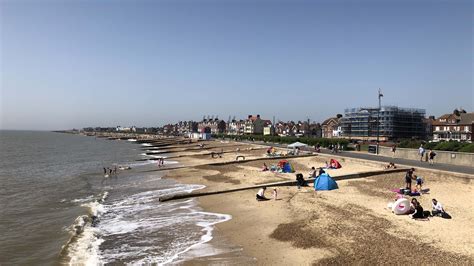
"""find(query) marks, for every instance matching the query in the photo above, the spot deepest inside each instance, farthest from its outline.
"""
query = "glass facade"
(390, 121)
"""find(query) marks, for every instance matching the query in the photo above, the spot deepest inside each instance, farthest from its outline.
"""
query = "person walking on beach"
(421, 152)
(394, 148)
(115, 170)
(105, 171)
(431, 156)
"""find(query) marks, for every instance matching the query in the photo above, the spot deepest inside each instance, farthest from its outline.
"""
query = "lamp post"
(378, 119)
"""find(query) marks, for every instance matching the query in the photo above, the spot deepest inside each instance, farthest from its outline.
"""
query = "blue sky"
(68, 64)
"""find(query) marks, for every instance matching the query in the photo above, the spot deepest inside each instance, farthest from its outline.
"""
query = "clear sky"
(68, 64)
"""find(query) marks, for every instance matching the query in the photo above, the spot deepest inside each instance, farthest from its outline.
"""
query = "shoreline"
(289, 230)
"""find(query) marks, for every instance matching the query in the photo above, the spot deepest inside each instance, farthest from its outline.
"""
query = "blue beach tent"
(287, 168)
(325, 182)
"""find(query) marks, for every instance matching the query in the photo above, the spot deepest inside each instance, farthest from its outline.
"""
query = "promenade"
(398, 161)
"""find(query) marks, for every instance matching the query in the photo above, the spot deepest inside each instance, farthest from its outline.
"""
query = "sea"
(57, 207)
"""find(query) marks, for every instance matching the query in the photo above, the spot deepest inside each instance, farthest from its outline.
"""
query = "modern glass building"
(391, 122)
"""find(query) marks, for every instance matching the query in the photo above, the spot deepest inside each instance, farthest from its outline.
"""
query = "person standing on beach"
(394, 148)
(431, 156)
(409, 176)
(421, 152)
(105, 171)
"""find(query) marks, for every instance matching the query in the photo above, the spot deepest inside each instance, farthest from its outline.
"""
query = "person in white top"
(261, 194)
(437, 208)
(421, 152)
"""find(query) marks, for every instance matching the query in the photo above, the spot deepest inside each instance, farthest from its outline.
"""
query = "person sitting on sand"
(321, 171)
(390, 165)
(438, 209)
(326, 165)
(261, 194)
(265, 167)
(418, 210)
(313, 173)
(300, 182)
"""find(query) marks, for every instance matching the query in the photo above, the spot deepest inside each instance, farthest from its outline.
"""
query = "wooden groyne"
(190, 155)
(198, 149)
(233, 162)
(276, 184)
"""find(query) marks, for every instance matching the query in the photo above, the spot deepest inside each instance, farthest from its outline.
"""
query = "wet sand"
(350, 225)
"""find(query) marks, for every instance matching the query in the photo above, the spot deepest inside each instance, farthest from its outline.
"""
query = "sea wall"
(448, 157)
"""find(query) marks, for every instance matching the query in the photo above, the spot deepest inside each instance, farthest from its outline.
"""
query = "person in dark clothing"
(409, 176)
(418, 209)
(300, 181)
(321, 171)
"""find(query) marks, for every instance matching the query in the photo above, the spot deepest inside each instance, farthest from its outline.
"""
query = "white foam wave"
(143, 163)
(88, 198)
(85, 248)
(153, 151)
(85, 251)
(146, 144)
(208, 227)
(131, 140)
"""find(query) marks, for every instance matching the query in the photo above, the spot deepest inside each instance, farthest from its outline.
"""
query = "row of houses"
(385, 124)
(252, 125)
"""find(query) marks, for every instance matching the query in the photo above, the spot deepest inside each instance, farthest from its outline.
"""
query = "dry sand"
(350, 225)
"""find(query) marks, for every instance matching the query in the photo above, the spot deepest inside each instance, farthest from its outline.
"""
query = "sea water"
(57, 207)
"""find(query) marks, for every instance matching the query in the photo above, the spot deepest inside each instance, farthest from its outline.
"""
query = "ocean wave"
(146, 231)
(83, 246)
(86, 199)
(146, 144)
(153, 151)
(138, 229)
(207, 227)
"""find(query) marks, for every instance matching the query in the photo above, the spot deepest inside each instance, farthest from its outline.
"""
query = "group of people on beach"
(160, 161)
(426, 156)
(410, 177)
(110, 171)
(416, 210)
(261, 194)
(335, 148)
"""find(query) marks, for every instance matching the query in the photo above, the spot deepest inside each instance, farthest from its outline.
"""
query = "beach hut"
(325, 182)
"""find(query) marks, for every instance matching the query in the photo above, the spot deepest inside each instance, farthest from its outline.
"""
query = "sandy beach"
(350, 225)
